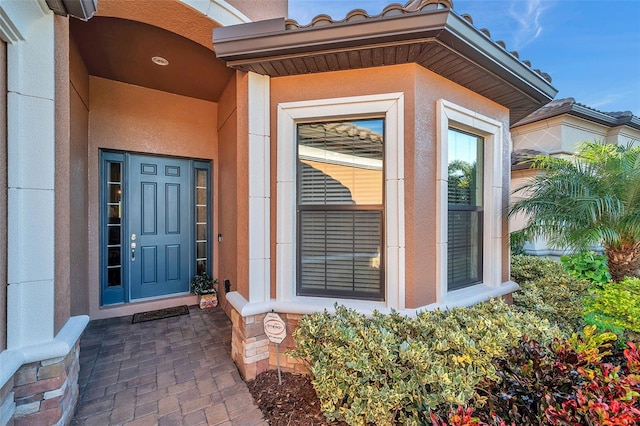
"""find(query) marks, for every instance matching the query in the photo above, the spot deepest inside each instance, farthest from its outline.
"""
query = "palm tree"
(591, 199)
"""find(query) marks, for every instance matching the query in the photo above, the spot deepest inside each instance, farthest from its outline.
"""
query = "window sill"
(472, 295)
(309, 305)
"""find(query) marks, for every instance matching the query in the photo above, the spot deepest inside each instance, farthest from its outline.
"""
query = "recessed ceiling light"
(159, 60)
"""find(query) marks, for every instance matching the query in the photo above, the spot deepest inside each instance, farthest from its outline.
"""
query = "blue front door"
(159, 225)
(155, 225)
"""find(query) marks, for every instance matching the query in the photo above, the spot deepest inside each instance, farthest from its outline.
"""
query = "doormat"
(160, 314)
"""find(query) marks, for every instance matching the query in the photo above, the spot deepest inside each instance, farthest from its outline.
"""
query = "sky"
(591, 48)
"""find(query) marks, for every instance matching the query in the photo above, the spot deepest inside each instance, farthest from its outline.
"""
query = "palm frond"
(592, 199)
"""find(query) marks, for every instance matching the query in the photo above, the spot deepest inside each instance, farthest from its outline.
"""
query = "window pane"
(465, 196)
(341, 163)
(114, 172)
(465, 168)
(201, 267)
(201, 178)
(114, 213)
(113, 256)
(340, 253)
(114, 193)
(201, 196)
(201, 250)
(114, 277)
(201, 231)
(464, 248)
(113, 235)
(201, 214)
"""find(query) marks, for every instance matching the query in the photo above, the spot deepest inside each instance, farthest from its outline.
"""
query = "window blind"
(340, 209)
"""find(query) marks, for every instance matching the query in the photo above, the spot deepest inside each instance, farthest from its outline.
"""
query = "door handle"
(133, 252)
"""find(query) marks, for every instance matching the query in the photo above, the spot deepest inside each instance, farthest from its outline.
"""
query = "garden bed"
(292, 403)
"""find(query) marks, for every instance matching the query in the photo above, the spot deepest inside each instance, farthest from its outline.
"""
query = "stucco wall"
(564, 133)
(63, 224)
(132, 118)
(228, 182)
(78, 172)
(421, 89)
(258, 10)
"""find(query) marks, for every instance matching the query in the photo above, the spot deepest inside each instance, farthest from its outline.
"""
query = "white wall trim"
(452, 115)
(30, 172)
(17, 16)
(219, 10)
(8, 31)
(308, 305)
(391, 105)
(259, 189)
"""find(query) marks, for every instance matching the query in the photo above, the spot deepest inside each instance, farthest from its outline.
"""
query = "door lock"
(133, 251)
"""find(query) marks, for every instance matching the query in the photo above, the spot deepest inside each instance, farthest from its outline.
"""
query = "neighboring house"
(362, 161)
(557, 129)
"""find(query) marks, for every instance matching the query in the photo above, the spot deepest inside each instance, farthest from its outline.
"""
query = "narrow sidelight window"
(465, 198)
(112, 249)
(340, 209)
(202, 213)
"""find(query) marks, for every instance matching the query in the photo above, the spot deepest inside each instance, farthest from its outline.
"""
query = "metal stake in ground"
(276, 330)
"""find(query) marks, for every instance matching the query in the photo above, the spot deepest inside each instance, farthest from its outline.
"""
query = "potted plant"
(203, 286)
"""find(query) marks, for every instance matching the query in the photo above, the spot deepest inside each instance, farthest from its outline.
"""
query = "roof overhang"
(81, 9)
(439, 40)
(581, 111)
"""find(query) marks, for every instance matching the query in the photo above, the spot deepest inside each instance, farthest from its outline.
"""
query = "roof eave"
(253, 43)
(499, 61)
(81, 9)
(585, 113)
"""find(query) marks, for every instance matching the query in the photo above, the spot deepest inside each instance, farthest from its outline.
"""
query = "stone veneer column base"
(42, 393)
(252, 351)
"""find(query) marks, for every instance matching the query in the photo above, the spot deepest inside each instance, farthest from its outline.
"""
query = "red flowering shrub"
(464, 417)
(575, 382)
(608, 395)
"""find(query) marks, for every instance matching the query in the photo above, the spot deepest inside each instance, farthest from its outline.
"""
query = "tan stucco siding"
(258, 10)
(79, 191)
(171, 15)
(71, 201)
(233, 199)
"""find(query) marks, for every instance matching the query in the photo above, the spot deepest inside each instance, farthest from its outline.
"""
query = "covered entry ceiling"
(122, 50)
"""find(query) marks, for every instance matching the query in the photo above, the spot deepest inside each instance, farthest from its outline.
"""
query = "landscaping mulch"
(292, 403)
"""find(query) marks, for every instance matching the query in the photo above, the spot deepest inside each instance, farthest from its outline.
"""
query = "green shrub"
(558, 299)
(391, 369)
(615, 306)
(517, 239)
(587, 266)
(549, 291)
(527, 268)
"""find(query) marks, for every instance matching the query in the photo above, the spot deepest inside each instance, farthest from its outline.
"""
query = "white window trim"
(452, 115)
(389, 105)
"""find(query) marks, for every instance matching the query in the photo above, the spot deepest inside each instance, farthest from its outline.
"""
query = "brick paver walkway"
(174, 371)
